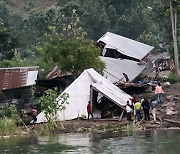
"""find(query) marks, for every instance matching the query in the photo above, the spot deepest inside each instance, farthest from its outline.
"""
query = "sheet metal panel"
(125, 45)
(79, 95)
(116, 67)
(17, 77)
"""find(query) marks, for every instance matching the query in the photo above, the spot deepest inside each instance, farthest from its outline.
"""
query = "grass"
(8, 126)
(129, 128)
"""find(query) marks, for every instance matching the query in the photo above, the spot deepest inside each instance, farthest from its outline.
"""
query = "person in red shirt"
(133, 101)
(34, 114)
(89, 110)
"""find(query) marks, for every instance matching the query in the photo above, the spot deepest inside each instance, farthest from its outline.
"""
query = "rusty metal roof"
(17, 77)
(56, 72)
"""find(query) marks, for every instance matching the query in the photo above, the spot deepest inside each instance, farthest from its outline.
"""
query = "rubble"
(170, 111)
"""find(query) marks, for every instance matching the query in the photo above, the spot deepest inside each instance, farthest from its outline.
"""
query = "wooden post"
(121, 115)
(91, 94)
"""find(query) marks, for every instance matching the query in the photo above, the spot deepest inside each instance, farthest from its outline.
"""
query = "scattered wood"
(134, 85)
(172, 121)
(160, 118)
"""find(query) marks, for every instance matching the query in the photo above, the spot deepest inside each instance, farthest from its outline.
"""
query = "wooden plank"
(172, 121)
(121, 115)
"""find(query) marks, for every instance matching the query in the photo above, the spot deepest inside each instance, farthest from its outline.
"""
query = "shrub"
(9, 121)
(7, 126)
(172, 78)
(50, 104)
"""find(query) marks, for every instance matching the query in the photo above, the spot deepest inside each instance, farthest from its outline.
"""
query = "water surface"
(146, 142)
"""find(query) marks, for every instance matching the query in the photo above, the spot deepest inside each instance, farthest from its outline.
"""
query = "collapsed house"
(116, 67)
(54, 79)
(117, 46)
(123, 55)
(16, 85)
(90, 85)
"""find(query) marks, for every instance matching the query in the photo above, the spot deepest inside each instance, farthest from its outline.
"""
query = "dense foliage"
(71, 55)
(24, 29)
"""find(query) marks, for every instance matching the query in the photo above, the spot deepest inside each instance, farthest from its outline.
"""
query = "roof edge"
(11, 68)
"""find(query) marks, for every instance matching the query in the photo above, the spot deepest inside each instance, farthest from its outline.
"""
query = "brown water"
(146, 142)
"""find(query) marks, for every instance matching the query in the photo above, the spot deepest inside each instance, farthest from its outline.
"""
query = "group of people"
(135, 107)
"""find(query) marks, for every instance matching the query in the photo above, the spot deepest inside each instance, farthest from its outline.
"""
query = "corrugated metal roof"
(125, 45)
(116, 67)
(17, 77)
(56, 72)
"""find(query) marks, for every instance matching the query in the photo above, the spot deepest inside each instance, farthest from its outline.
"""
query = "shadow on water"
(145, 142)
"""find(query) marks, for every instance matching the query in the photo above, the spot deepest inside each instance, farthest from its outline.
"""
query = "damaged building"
(16, 85)
(117, 46)
(107, 99)
(54, 79)
(123, 55)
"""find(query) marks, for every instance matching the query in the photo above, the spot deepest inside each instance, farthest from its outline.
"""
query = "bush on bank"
(8, 126)
(172, 78)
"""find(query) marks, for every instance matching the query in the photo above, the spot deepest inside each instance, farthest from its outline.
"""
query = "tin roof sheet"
(125, 45)
(17, 77)
(116, 67)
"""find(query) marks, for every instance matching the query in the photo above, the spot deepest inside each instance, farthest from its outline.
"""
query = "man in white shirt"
(128, 111)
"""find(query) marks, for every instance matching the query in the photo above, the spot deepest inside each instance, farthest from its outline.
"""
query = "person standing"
(34, 114)
(89, 110)
(133, 101)
(145, 105)
(157, 72)
(159, 91)
(154, 104)
(128, 111)
(126, 77)
(137, 111)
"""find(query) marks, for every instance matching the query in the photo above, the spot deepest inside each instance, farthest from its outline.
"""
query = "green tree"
(146, 21)
(16, 21)
(8, 42)
(50, 104)
(16, 61)
(71, 55)
(94, 19)
(4, 12)
(132, 24)
(69, 21)
(44, 66)
(112, 15)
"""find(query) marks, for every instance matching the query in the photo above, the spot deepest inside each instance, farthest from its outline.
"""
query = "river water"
(145, 142)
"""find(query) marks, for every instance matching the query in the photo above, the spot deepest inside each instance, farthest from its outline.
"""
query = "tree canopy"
(71, 55)
(26, 28)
